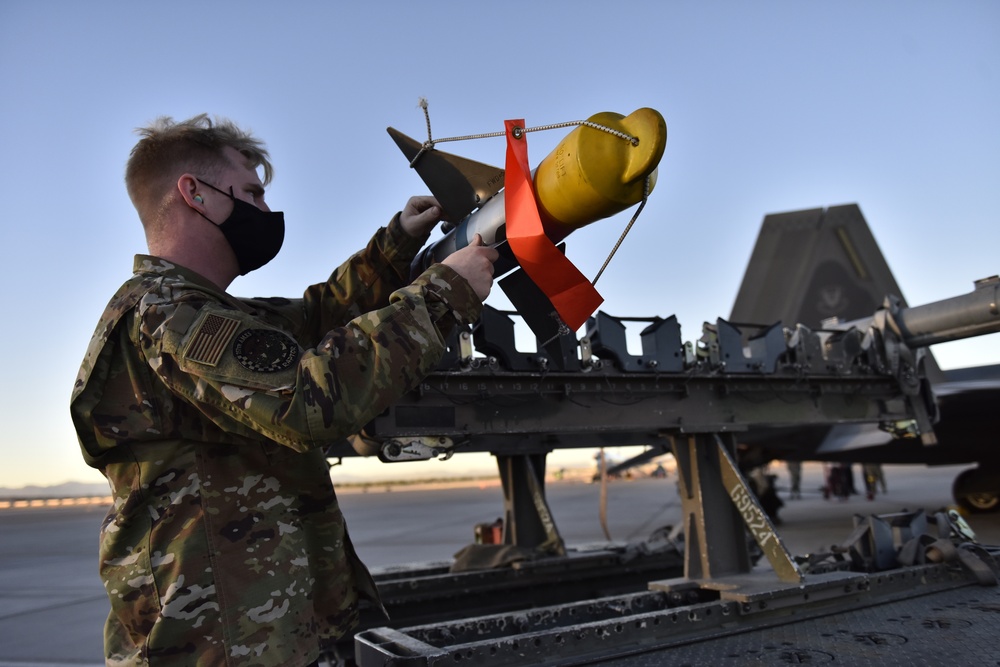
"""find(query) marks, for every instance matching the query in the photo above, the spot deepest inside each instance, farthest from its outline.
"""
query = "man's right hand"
(474, 262)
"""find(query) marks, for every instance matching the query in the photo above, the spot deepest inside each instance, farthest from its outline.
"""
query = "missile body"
(591, 175)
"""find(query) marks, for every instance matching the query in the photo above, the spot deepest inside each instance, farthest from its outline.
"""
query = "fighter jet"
(814, 265)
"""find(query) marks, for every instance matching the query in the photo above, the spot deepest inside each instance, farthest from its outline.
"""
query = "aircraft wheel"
(968, 491)
(982, 502)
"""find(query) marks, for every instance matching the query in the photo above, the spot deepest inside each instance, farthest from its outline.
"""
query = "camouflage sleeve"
(245, 374)
(361, 284)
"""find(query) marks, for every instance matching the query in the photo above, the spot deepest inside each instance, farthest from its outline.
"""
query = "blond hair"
(169, 149)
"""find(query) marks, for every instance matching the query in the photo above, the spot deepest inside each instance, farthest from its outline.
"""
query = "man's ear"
(190, 191)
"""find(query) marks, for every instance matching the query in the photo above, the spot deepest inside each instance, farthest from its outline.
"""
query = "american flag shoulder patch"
(211, 339)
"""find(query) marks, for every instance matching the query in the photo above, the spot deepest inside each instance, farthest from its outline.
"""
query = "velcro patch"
(211, 339)
(265, 350)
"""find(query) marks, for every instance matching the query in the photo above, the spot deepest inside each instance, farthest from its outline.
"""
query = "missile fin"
(559, 346)
(537, 311)
(459, 184)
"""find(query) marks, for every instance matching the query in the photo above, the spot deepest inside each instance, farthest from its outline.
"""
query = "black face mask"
(254, 235)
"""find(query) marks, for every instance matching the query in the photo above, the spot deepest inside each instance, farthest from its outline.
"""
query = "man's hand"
(420, 215)
(474, 262)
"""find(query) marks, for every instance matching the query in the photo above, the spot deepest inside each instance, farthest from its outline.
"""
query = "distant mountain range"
(64, 490)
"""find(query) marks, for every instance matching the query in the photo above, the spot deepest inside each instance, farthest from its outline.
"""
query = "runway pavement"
(52, 603)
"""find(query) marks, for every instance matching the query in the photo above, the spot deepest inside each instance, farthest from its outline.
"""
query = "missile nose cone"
(651, 130)
(593, 174)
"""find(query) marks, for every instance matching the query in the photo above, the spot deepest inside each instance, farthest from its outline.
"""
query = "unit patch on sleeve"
(211, 339)
(265, 350)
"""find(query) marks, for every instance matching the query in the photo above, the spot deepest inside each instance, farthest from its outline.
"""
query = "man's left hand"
(420, 215)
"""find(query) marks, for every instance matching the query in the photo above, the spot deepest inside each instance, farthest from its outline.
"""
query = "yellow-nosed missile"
(591, 175)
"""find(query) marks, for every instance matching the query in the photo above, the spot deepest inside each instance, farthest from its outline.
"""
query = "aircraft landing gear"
(977, 490)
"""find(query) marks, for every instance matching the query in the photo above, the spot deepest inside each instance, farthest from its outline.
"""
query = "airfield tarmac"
(52, 603)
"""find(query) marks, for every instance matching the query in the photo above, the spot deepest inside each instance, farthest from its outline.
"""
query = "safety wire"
(429, 145)
(621, 239)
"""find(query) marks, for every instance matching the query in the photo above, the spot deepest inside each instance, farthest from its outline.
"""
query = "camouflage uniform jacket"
(225, 544)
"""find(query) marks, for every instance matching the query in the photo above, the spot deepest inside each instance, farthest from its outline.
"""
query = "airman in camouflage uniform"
(208, 414)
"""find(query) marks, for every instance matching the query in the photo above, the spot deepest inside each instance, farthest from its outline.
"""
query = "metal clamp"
(417, 448)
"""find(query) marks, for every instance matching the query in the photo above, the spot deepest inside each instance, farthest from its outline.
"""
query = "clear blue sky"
(771, 106)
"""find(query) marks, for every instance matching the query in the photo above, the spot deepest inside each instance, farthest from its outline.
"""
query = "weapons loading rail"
(692, 399)
(593, 392)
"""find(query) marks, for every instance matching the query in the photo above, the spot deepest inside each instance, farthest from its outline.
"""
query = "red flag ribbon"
(573, 296)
